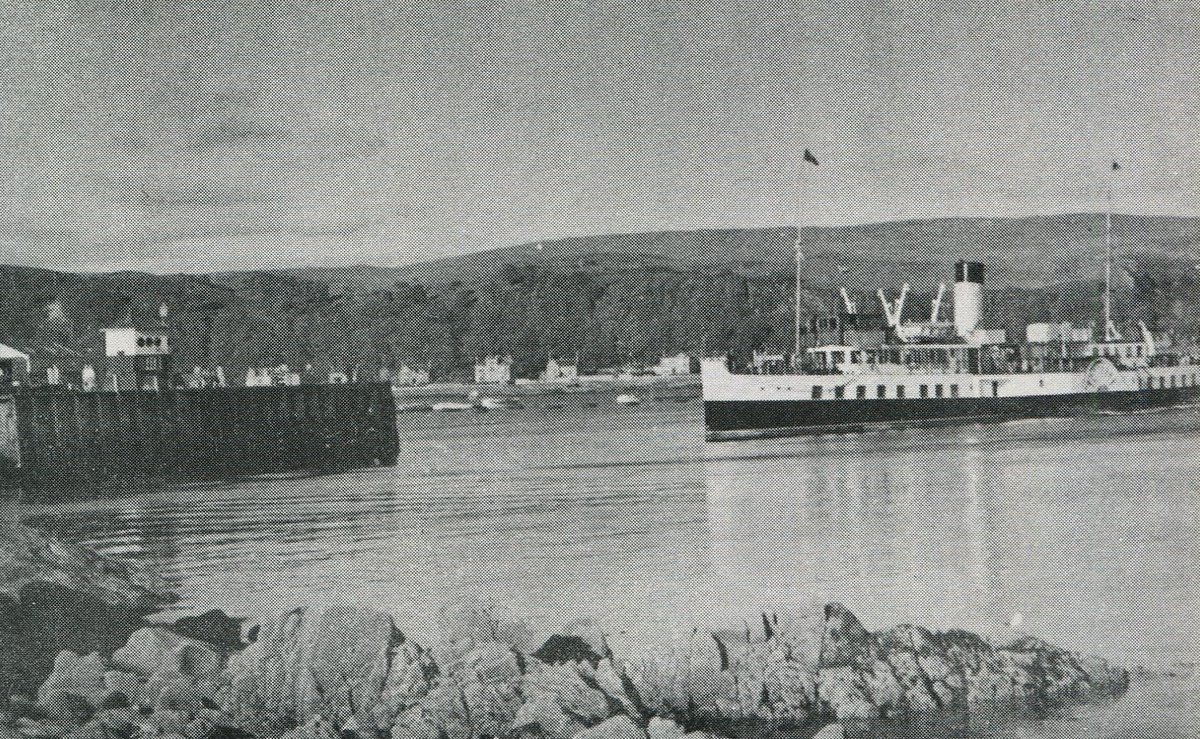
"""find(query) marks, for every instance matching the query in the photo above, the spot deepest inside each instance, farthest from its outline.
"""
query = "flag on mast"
(811, 159)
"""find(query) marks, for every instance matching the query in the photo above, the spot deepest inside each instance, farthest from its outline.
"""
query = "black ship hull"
(733, 419)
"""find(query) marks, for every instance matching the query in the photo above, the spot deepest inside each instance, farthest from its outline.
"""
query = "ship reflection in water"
(1083, 532)
(1078, 539)
(885, 536)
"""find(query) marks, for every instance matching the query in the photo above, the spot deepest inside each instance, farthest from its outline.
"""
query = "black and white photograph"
(599, 369)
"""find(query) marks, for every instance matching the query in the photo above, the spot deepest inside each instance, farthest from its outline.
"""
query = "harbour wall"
(55, 438)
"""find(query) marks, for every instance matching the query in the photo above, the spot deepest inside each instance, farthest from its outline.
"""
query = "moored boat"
(498, 404)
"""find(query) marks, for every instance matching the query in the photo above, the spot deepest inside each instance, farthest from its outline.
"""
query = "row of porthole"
(881, 392)
(155, 341)
(1174, 380)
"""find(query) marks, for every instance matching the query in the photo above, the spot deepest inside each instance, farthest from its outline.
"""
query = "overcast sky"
(188, 136)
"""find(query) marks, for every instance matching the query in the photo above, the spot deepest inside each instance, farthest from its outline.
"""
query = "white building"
(132, 342)
(137, 359)
(14, 366)
(407, 377)
(560, 372)
(679, 364)
(494, 370)
(272, 377)
(204, 378)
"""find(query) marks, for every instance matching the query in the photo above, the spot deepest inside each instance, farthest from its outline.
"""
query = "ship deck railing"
(1073, 364)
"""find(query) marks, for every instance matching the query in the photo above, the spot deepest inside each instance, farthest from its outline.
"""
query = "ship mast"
(1110, 329)
(799, 248)
(807, 158)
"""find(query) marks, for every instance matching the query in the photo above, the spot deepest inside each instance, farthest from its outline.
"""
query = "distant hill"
(615, 298)
(1031, 252)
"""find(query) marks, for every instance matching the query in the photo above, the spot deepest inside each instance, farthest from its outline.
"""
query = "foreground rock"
(341, 672)
(55, 597)
(28, 557)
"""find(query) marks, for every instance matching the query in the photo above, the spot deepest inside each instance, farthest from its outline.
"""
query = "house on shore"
(675, 365)
(494, 370)
(405, 376)
(281, 376)
(136, 359)
(14, 367)
(557, 371)
(201, 378)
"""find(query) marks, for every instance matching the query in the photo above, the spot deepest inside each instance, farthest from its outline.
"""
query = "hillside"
(613, 298)
(1030, 252)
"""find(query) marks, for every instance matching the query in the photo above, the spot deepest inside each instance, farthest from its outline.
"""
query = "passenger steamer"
(890, 372)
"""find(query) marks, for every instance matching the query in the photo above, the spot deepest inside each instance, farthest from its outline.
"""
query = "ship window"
(954, 391)
(816, 392)
(881, 391)
(855, 357)
(995, 389)
(1162, 383)
(939, 390)
(899, 391)
(1172, 380)
(839, 392)
(861, 392)
(924, 391)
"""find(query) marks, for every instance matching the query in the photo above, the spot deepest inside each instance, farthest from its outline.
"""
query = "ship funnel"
(968, 297)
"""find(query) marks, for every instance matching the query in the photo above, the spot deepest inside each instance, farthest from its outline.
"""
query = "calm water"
(1085, 532)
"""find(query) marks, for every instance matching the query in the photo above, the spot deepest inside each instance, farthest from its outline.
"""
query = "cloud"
(380, 131)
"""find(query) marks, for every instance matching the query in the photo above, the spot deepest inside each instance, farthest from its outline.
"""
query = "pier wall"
(68, 437)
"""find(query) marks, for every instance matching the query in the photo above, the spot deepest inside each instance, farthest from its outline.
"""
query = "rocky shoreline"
(346, 672)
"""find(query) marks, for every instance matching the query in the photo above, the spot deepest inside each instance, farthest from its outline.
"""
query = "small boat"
(412, 407)
(452, 406)
(497, 404)
(628, 400)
